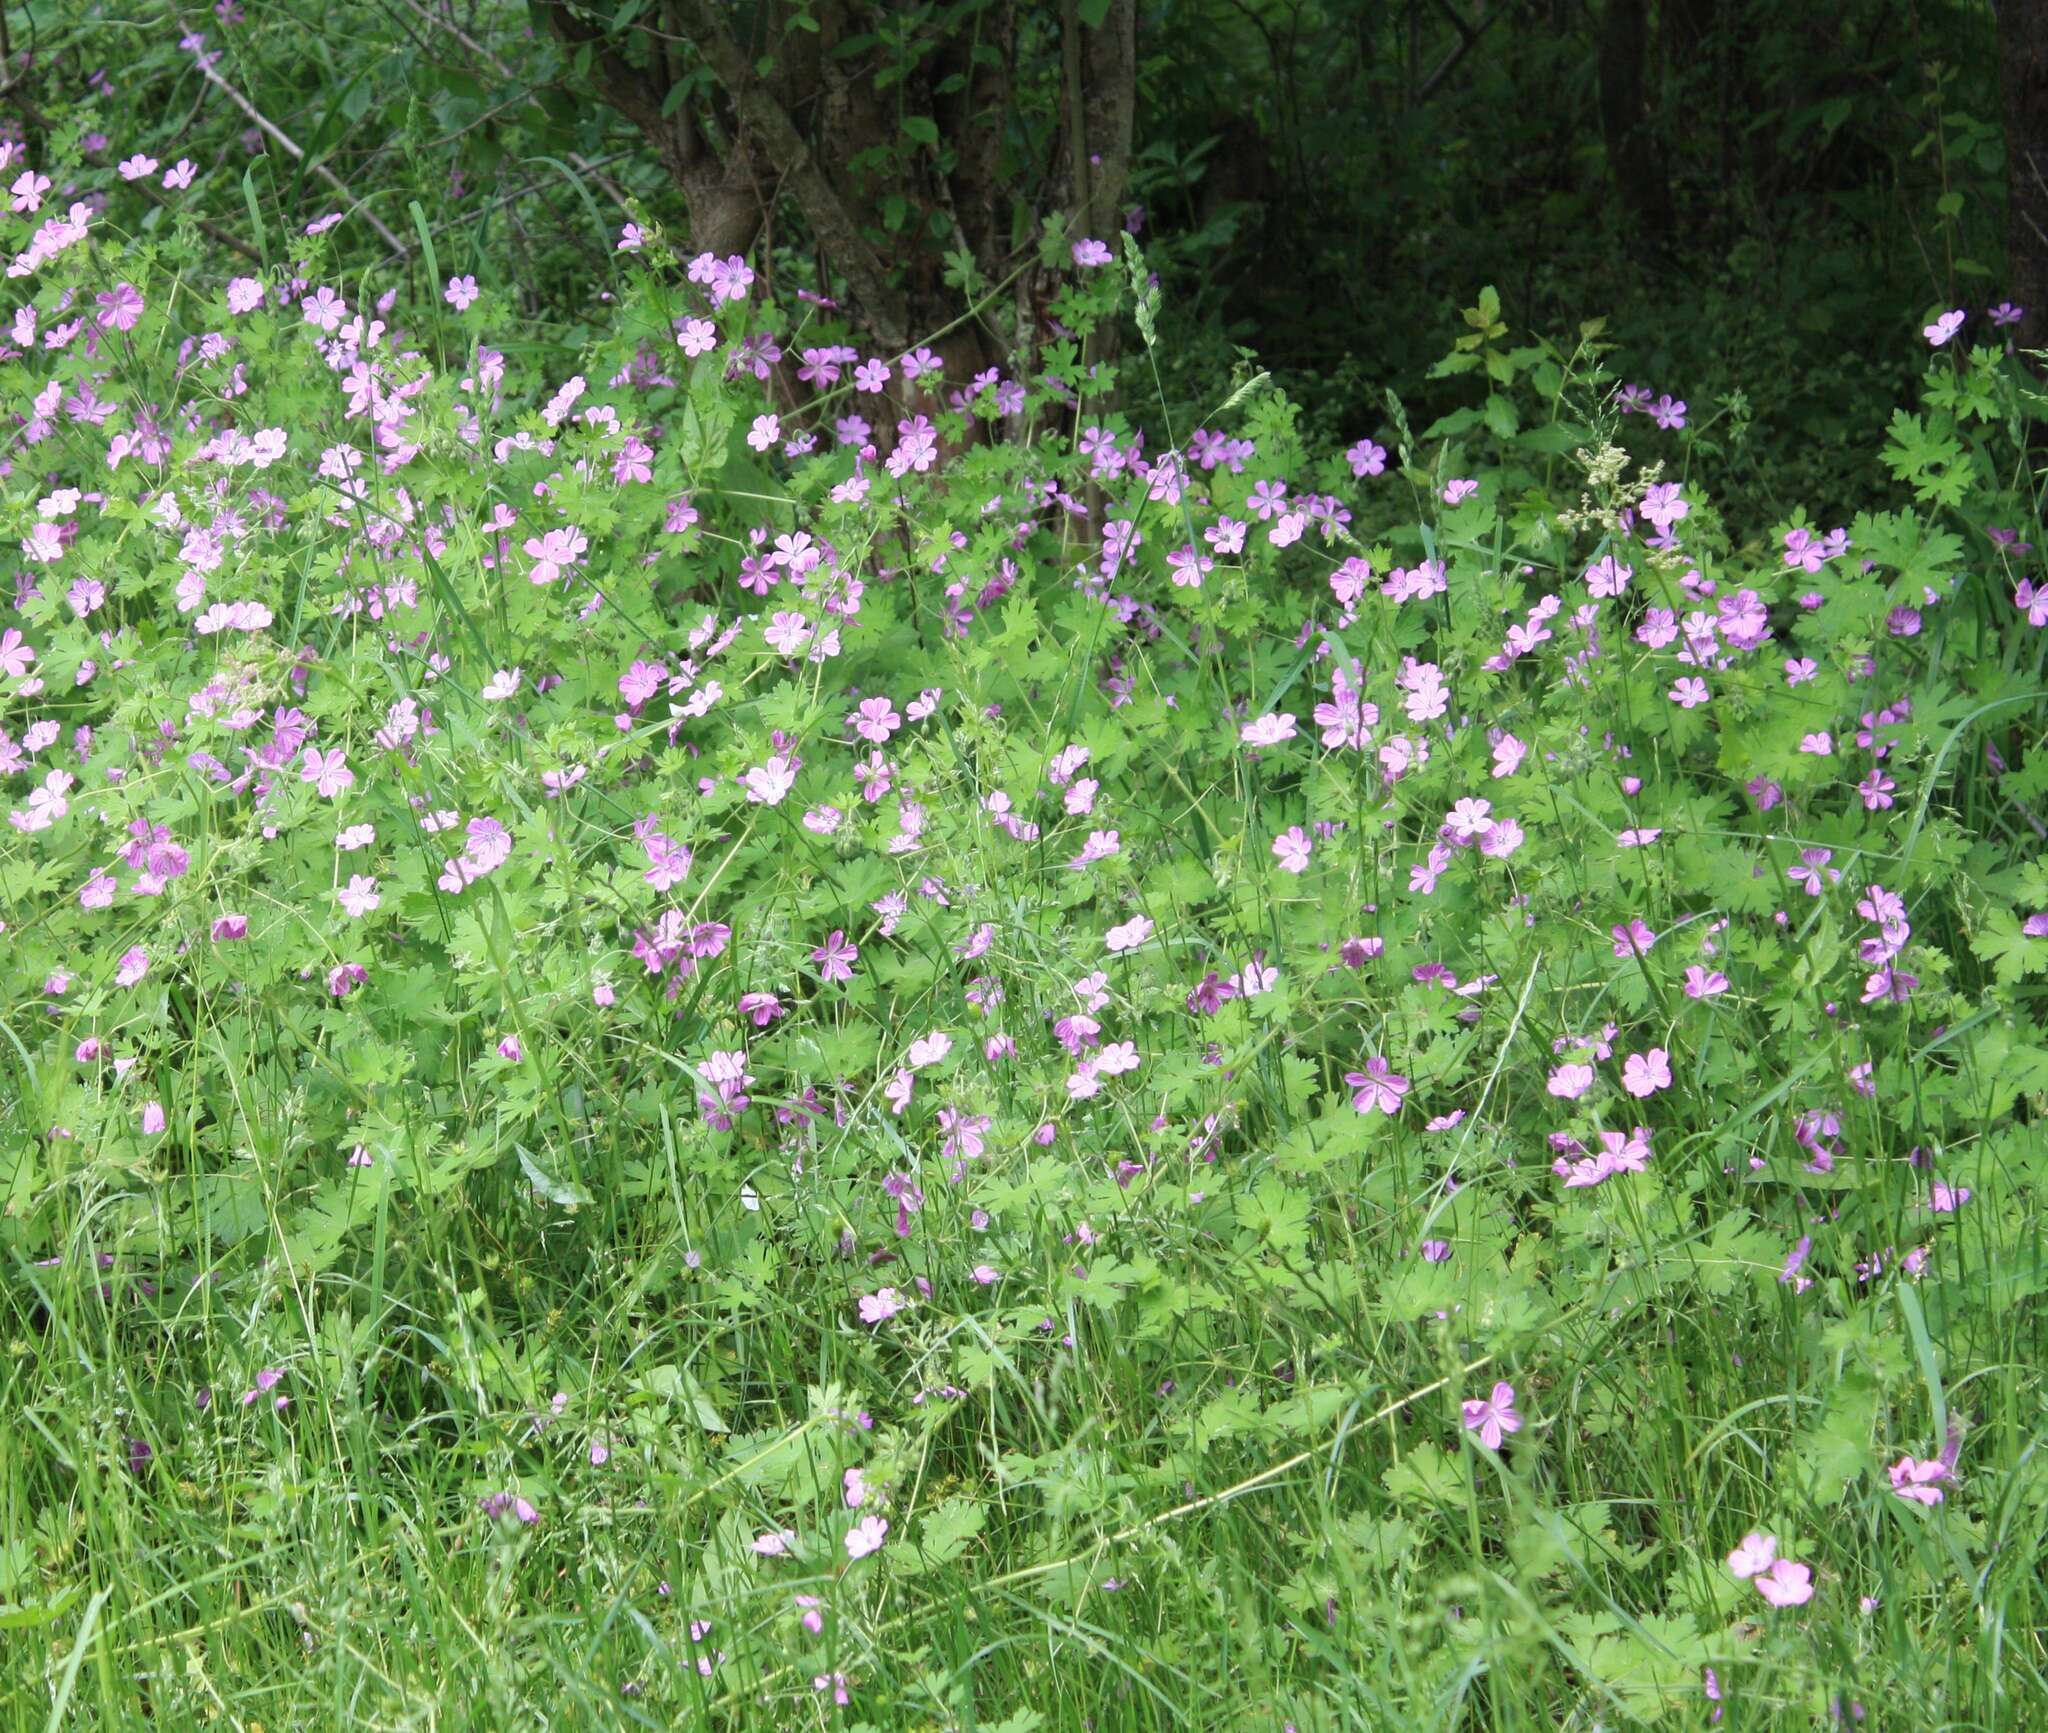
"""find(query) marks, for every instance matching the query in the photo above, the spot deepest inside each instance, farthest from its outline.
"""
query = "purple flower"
(1378, 1088)
(501, 1504)
(1493, 1416)
(835, 957)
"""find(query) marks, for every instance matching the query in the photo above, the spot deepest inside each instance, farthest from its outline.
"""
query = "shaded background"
(1764, 200)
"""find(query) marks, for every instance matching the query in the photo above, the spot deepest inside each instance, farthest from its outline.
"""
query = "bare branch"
(271, 129)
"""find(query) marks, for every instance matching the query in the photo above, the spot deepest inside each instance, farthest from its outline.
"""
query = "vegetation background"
(1749, 193)
(539, 1186)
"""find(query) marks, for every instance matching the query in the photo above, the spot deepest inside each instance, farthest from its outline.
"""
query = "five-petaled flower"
(1379, 1088)
(1493, 1416)
(835, 957)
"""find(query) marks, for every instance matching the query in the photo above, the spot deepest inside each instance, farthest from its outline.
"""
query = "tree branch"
(835, 226)
(205, 64)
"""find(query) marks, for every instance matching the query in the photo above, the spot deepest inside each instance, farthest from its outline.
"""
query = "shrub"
(1027, 982)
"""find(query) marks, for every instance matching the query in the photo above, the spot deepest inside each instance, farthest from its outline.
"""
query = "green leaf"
(419, 227)
(565, 1194)
(942, 1534)
(1427, 1475)
(255, 214)
(2001, 942)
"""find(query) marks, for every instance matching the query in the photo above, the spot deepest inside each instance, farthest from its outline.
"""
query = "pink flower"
(267, 1380)
(1366, 458)
(1569, 1082)
(502, 1504)
(1608, 577)
(359, 896)
(1778, 1580)
(835, 957)
(769, 784)
(1101, 844)
(1754, 1554)
(928, 1049)
(1944, 327)
(1090, 254)
(554, 553)
(1635, 939)
(1643, 1074)
(880, 1306)
(1689, 692)
(1704, 983)
(875, 720)
(153, 1121)
(1130, 935)
(1786, 1584)
(120, 307)
(767, 429)
(1268, 730)
(1378, 1088)
(1919, 1482)
(1469, 820)
(1291, 848)
(328, 772)
(461, 293)
(866, 1536)
(28, 191)
(1493, 1416)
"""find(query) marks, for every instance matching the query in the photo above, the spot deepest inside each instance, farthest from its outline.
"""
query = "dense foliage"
(703, 1027)
(1762, 199)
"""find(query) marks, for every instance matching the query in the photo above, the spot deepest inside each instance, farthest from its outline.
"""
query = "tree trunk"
(1109, 70)
(1632, 154)
(2023, 78)
(814, 116)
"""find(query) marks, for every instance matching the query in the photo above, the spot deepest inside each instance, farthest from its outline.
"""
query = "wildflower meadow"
(710, 1023)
